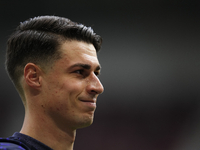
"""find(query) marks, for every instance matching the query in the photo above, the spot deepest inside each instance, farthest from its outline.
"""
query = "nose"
(94, 85)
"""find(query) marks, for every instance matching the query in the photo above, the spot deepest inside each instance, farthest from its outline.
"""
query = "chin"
(87, 121)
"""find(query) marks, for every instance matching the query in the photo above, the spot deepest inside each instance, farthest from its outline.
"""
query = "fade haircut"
(37, 41)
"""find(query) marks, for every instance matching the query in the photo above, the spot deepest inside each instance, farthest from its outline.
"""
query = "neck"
(46, 131)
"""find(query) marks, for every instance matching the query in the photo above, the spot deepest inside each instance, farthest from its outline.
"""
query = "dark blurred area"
(150, 71)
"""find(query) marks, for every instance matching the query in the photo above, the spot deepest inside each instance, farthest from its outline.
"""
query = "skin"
(64, 98)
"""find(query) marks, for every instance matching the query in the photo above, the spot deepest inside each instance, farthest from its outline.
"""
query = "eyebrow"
(85, 66)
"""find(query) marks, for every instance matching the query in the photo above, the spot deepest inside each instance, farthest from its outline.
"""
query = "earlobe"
(32, 75)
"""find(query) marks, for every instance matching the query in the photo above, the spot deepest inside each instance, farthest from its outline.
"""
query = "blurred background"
(150, 71)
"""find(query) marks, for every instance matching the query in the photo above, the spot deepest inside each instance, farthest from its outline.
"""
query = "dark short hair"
(37, 40)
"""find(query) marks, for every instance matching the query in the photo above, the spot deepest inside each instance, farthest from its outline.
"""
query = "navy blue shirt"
(20, 141)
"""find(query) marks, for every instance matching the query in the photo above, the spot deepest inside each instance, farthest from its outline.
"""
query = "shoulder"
(8, 144)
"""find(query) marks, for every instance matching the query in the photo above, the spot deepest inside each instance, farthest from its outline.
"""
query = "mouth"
(89, 102)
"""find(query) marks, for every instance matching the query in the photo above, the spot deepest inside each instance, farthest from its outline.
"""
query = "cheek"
(74, 87)
(65, 91)
(63, 98)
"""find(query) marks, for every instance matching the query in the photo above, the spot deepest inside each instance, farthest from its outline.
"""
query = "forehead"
(78, 51)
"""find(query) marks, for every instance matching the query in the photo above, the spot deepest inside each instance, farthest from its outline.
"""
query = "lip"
(89, 102)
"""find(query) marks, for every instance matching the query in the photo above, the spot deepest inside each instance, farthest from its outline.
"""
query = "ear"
(32, 74)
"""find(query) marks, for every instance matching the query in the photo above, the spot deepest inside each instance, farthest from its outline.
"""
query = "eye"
(79, 71)
(97, 73)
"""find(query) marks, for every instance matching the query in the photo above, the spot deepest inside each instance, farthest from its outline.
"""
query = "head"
(38, 41)
(69, 90)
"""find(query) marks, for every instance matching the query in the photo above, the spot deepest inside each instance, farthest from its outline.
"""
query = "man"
(53, 64)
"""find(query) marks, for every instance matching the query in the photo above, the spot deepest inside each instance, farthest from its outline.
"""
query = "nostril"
(93, 91)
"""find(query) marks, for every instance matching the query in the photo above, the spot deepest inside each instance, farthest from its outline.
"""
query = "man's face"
(71, 86)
